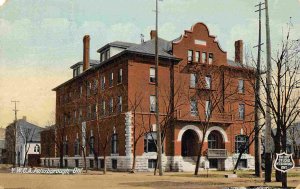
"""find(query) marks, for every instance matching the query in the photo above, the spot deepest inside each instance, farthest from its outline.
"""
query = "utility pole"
(258, 170)
(159, 150)
(15, 133)
(268, 129)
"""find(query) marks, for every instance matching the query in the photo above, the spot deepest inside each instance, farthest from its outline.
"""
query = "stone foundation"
(170, 163)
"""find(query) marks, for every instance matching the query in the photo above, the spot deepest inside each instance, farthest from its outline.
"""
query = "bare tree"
(26, 135)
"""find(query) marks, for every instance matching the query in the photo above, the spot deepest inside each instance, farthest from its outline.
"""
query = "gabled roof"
(34, 130)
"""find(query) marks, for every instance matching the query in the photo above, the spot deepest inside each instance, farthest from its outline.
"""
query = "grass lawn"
(95, 179)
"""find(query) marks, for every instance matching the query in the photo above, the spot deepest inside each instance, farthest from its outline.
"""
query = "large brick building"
(107, 109)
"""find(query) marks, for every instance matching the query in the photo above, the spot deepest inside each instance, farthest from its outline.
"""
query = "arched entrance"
(189, 143)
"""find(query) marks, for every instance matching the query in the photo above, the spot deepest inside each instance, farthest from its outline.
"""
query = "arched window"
(241, 141)
(215, 140)
(114, 143)
(36, 148)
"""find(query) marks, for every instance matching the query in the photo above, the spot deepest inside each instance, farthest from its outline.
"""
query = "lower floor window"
(101, 163)
(151, 163)
(66, 163)
(242, 163)
(150, 142)
(91, 163)
(213, 163)
(76, 163)
(114, 163)
(241, 142)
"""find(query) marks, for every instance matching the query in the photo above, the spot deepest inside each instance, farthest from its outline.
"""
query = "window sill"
(151, 83)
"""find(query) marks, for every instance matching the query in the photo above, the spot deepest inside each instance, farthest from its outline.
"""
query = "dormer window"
(104, 55)
(77, 71)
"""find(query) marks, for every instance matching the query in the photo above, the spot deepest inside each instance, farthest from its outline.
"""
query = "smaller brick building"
(107, 109)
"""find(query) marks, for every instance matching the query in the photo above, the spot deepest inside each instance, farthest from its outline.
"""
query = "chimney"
(153, 34)
(24, 118)
(239, 51)
(86, 52)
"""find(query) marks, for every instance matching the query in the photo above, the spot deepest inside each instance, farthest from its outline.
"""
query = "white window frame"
(193, 80)
(193, 107)
(203, 57)
(152, 78)
(190, 56)
(120, 103)
(208, 82)
(152, 103)
(120, 75)
(241, 86)
(208, 108)
(197, 56)
(242, 111)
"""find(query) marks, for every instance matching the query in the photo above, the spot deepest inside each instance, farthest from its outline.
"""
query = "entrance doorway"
(189, 143)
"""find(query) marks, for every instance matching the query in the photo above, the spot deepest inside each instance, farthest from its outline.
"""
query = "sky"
(40, 40)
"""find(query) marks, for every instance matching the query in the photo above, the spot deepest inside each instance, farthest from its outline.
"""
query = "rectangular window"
(208, 108)
(242, 111)
(193, 80)
(75, 117)
(114, 144)
(76, 147)
(111, 79)
(103, 82)
(91, 164)
(210, 58)
(150, 142)
(120, 75)
(151, 163)
(190, 56)
(102, 57)
(204, 57)
(197, 56)
(114, 163)
(95, 86)
(111, 105)
(119, 103)
(76, 163)
(94, 111)
(92, 144)
(103, 107)
(89, 87)
(152, 75)
(80, 91)
(208, 82)
(194, 107)
(241, 87)
(89, 112)
(152, 103)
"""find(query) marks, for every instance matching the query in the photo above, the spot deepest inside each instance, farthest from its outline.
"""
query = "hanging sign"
(284, 162)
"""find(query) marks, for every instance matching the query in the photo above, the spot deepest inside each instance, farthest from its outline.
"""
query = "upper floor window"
(76, 147)
(120, 75)
(241, 87)
(114, 143)
(204, 57)
(150, 142)
(152, 103)
(92, 144)
(190, 56)
(111, 105)
(95, 86)
(111, 79)
(152, 75)
(36, 148)
(197, 56)
(103, 82)
(89, 112)
(89, 87)
(94, 111)
(119, 103)
(208, 108)
(208, 82)
(103, 107)
(210, 58)
(104, 55)
(241, 143)
(242, 111)
(193, 80)
(80, 91)
(194, 107)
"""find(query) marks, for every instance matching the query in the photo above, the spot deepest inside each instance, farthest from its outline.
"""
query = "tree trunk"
(284, 175)
(104, 168)
(134, 159)
(277, 149)
(198, 157)
(84, 160)
(61, 156)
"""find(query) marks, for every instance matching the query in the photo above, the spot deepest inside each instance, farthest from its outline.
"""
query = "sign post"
(283, 163)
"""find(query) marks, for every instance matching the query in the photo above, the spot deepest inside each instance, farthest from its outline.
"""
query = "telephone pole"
(268, 129)
(15, 134)
(257, 142)
(159, 145)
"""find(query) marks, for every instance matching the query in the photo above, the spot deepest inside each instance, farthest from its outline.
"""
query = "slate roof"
(92, 63)
(119, 44)
(237, 64)
(148, 47)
